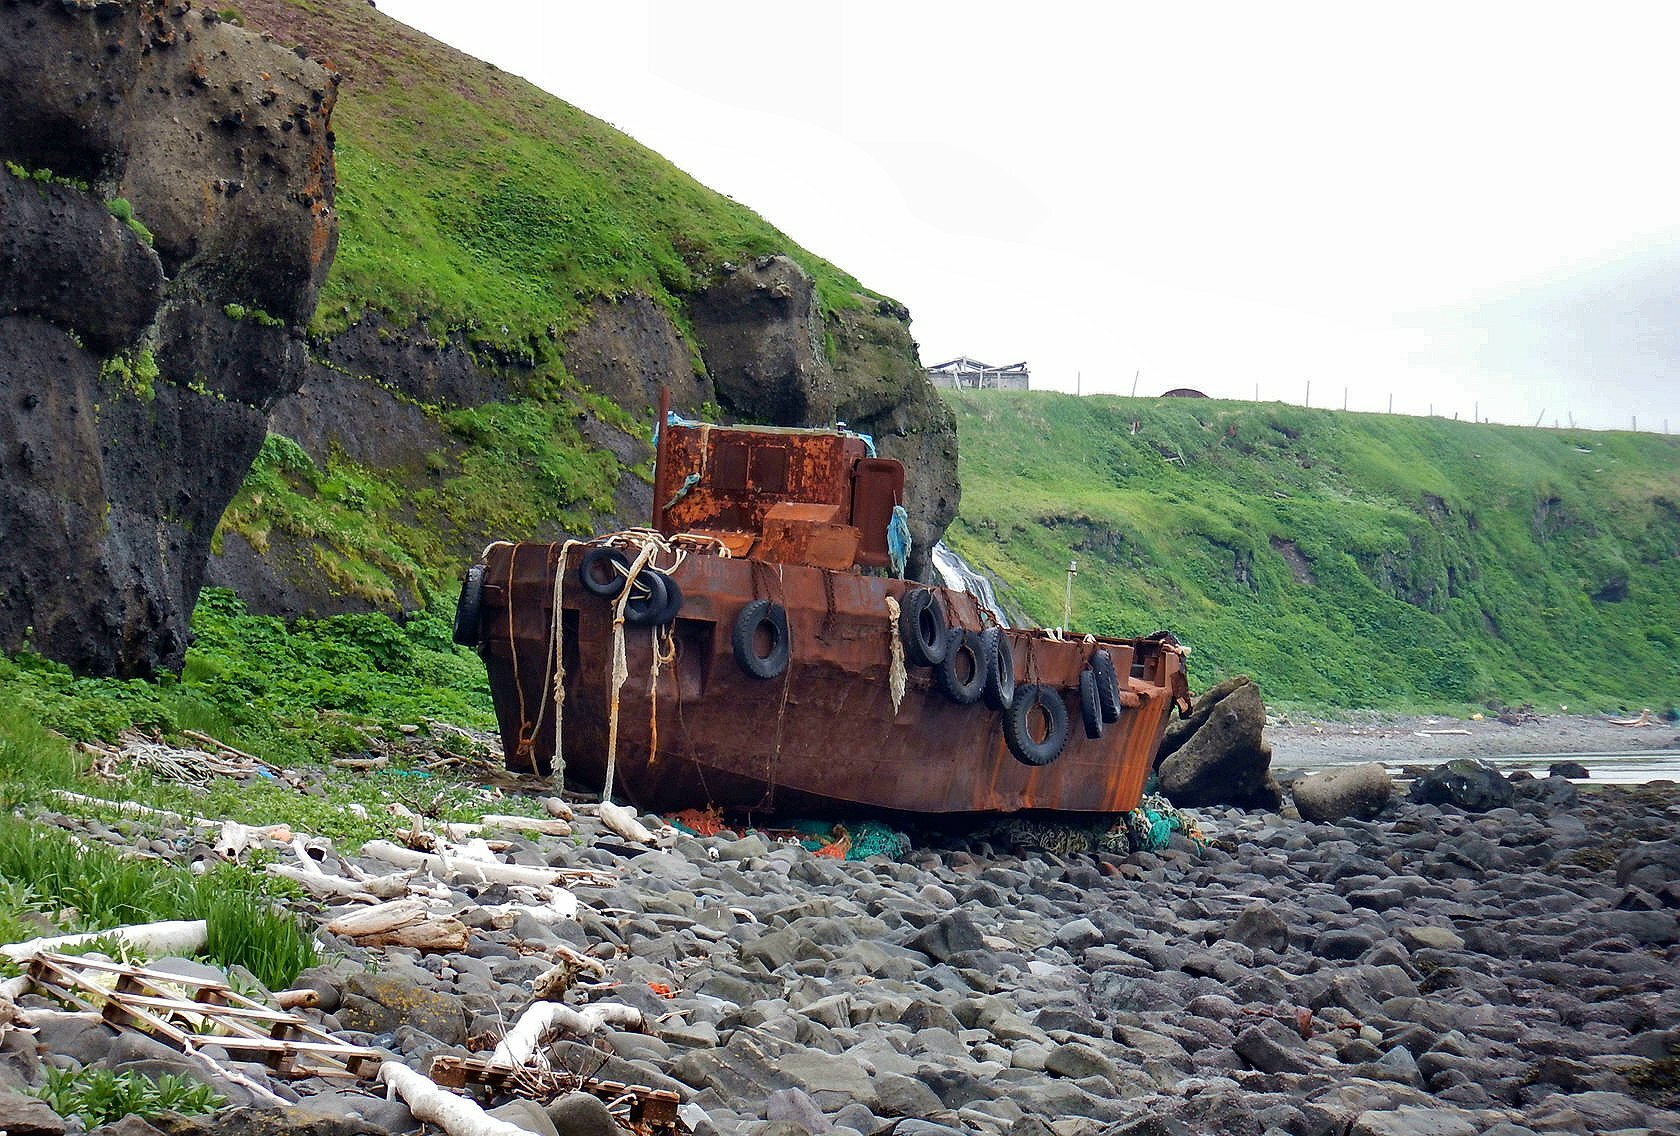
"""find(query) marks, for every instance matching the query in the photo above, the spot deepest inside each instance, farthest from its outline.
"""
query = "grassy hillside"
(1343, 559)
(476, 202)
(476, 209)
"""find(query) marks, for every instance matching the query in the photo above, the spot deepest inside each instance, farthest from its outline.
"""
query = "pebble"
(1427, 972)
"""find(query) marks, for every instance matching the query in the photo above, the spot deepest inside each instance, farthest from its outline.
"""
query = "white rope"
(651, 548)
(620, 665)
(557, 666)
(895, 673)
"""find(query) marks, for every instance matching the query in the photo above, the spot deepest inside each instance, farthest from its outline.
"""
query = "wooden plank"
(138, 1003)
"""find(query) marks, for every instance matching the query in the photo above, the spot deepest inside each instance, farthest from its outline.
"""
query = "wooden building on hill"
(963, 373)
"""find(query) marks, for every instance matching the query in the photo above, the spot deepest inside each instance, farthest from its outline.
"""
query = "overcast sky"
(1462, 206)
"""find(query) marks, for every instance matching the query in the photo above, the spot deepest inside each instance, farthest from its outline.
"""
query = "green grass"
(291, 693)
(472, 201)
(89, 887)
(1445, 564)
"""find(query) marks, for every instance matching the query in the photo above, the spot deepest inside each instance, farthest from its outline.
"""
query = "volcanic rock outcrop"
(766, 348)
(165, 224)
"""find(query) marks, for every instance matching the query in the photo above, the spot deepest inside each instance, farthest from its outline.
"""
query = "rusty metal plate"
(823, 733)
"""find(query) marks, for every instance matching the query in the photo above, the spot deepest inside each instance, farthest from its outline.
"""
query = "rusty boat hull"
(699, 730)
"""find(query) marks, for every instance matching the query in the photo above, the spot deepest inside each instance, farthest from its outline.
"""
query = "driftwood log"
(461, 867)
(171, 937)
(540, 1018)
(456, 1115)
(402, 923)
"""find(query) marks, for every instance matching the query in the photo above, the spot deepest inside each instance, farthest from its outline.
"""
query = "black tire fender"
(1108, 684)
(469, 607)
(744, 639)
(967, 651)
(650, 593)
(922, 627)
(1018, 724)
(1000, 679)
(673, 602)
(1090, 704)
(602, 571)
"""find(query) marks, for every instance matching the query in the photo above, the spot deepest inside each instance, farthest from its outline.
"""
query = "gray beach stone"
(1409, 1120)
(1361, 791)
(1259, 927)
(22, 1115)
(581, 1114)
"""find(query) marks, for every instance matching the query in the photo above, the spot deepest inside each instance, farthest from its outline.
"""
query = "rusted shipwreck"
(756, 649)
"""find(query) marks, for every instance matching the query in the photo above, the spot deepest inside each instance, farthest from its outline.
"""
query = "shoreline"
(1304, 742)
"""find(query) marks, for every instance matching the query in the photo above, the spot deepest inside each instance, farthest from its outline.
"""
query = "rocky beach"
(1429, 972)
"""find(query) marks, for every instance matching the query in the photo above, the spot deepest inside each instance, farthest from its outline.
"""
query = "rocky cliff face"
(166, 225)
(776, 359)
(139, 362)
(769, 354)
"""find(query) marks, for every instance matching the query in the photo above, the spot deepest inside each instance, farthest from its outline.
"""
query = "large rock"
(771, 357)
(1353, 791)
(1217, 755)
(767, 349)
(1472, 785)
(136, 374)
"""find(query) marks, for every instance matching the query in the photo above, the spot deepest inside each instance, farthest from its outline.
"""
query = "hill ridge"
(1344, 559)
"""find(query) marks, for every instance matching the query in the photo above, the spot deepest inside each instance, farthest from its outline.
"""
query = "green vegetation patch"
(98, 1096)
(90, 887)
(291, 693)
(1343, 559)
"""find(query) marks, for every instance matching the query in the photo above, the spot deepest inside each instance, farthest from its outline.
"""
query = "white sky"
(1433, 201)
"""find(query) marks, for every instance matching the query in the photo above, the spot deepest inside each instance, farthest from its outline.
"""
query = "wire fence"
(1654, 424)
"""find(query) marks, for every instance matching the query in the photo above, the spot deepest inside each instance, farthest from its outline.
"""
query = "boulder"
(1360, 791)
(765, 342)
(138, 361)
(1217, 756)
(1571, 769)
(1465, 783)
(1649, 864)
(27, 1116)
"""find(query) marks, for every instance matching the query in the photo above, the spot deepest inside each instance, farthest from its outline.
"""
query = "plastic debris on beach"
(856, 841)
(1147, 828)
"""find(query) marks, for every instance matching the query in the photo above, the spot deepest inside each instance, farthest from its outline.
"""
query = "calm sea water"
(1605, 768)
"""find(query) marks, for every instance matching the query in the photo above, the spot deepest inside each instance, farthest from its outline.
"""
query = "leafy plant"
(135, 370)
(98, 1096)
(255, 315)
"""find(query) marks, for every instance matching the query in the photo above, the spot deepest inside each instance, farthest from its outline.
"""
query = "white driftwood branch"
(459, 870)
(622, 821)
(457, 1116)
(561, 906)
(237, 837)
(134, 807)
(322, 885)
(542, 1017)
(495, 822)
(250, 1085)
(551, 985)
(171, 937)
(402, 923)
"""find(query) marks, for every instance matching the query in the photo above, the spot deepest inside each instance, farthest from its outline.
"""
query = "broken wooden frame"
(143, 1000)
(645, 1111)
